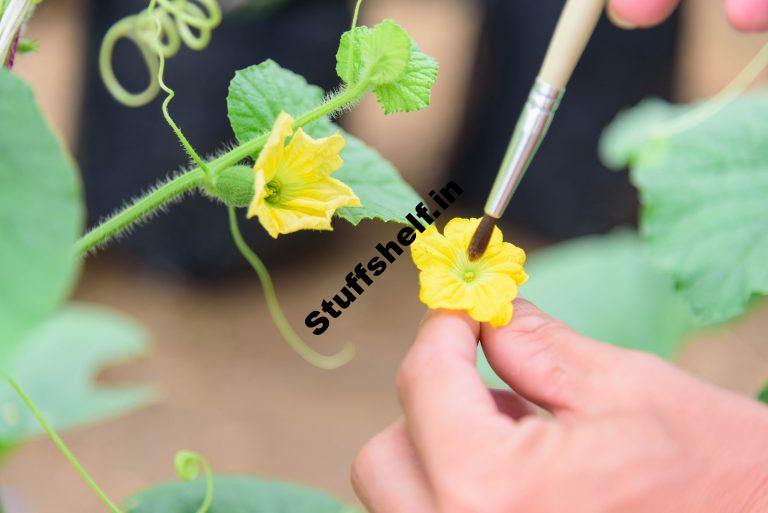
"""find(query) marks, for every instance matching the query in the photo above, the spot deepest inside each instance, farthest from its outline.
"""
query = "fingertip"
(748, 15)
(526, 319)
(451, 324)
(643, 13)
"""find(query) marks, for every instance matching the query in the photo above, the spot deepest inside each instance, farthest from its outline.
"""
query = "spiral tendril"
(307, 353)
(181, 21)
(188, 466)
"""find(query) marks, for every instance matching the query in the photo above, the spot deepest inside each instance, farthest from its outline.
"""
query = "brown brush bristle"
(482, 237)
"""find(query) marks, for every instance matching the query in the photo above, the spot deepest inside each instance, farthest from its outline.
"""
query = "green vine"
(170, 93)
(298, 345)
(715, 104)
(61, 446)
(187, 464)
(196, 178)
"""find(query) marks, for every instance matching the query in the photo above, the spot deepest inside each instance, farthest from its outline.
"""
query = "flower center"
(469, 276)
(273, 192)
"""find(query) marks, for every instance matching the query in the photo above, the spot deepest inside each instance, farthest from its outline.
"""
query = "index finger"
(445, 401)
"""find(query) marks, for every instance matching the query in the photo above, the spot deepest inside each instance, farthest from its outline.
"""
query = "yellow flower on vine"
(484, 288)
(294, 189)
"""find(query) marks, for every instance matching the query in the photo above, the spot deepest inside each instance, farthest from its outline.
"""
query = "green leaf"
(381, 54)
(382, 191)
(605, 288)
(704, 219)
(409, 91)
(27, 45)
(41, 214)
(235, 494)
(413, 90)
(631, 132)
(258, 94)
(763, 395)
(56, 364)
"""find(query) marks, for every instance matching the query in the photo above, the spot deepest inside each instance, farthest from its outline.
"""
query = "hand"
(750, 15)
(629, 433)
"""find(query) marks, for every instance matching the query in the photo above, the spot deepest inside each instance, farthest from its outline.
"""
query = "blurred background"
(230, 387)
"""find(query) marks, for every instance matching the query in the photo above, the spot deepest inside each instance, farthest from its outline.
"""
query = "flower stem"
(61, 446)
(195, 177)
(290, 336)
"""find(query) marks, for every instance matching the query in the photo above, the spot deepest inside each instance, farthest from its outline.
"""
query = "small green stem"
(290, 336)
(170, 93)
(351, 53)
(62, 446)
(208, 500)
(195, 178)
(188, 465)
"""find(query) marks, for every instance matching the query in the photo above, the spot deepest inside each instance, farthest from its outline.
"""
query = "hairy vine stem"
(298, 345)
(196, 177)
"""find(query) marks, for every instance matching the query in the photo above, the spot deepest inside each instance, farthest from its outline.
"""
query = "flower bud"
(234, 186)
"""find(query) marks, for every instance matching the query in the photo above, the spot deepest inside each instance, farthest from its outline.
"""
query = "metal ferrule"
(530, 130)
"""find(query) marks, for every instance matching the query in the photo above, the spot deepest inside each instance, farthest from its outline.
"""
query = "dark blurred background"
(230, 387)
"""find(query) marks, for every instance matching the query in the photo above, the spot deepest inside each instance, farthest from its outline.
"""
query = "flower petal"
(442, 289)
(502, 316)
(460, 231)
(260, 191)
(308, 159)
(330, 191)
(432, 249)
(273, 153)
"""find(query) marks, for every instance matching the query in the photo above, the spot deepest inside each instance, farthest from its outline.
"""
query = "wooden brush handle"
(575, 27)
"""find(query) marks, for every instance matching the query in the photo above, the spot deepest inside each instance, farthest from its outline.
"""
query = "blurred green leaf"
(27, 45)
(41, 215)
(631, 131)
(56, 364)
(704, 193)
(605, 288)
(236, 495)
(259, 93)
(763, 395)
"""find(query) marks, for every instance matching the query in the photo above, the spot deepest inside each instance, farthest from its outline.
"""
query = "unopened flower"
(293, 186)
(484, 288)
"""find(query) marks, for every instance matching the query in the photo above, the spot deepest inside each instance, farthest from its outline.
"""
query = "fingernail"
(622, 24)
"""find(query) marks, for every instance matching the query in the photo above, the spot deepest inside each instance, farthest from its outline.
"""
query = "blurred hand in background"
(748, 15)
(629, 433)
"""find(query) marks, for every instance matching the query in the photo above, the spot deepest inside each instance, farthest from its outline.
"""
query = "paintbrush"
(574, 28)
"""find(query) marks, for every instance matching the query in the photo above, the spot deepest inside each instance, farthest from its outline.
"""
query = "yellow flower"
(484, 288)
(294, 189)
